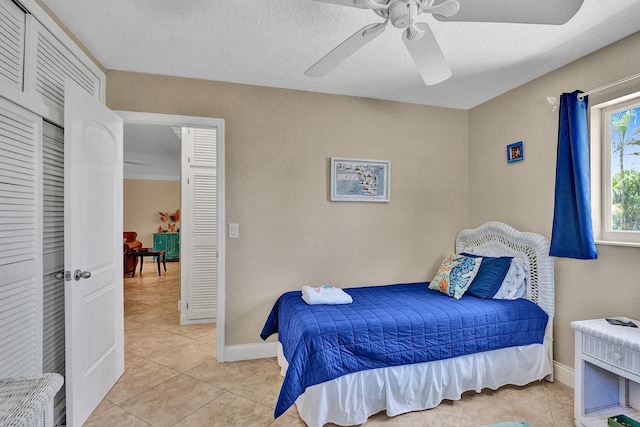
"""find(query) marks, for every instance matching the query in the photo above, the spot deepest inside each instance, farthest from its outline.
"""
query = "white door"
(199, 204)
(92, 252)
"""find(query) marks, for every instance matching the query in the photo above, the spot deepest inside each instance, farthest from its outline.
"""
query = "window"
(615, 170)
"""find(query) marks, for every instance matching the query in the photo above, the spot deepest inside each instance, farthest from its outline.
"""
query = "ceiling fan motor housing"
(403, 12)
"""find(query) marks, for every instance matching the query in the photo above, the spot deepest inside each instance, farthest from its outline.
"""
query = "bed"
(404, 347)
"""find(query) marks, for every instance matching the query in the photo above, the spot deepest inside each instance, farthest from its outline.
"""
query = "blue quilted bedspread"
(389, 326)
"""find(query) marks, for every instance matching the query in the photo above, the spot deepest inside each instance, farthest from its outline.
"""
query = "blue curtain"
(572, 233)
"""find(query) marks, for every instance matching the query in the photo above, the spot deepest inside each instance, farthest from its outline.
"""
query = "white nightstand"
(607, 372)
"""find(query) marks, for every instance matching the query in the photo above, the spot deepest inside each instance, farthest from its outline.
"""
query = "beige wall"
(142, 200)
(522, 193)
(278, 146)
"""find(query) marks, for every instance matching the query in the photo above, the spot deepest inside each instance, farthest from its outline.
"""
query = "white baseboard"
(235, 353)
(563, 373)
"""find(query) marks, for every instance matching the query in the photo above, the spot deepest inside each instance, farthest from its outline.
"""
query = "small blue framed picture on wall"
(515, 152)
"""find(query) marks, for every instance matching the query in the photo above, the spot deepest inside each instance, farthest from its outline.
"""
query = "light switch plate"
(234, 231)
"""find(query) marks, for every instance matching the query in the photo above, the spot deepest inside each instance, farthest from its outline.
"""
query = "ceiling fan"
(418, 37)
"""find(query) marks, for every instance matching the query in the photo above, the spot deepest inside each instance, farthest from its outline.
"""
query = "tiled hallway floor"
(173, 379)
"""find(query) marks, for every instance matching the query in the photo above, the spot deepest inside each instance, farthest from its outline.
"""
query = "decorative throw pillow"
(514, 285)
(490, 276)
(455, 274)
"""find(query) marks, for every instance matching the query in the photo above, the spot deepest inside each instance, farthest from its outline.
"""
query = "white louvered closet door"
(12, 36)
(53, 344)
(20, 247)
(199, 228)
(49, 64)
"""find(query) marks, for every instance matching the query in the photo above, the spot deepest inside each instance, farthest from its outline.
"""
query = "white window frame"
(600, 148)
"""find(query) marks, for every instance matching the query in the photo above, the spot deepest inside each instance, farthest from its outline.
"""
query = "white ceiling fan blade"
(352, 3)
(345, 49)
(515, 11)
(427, 55)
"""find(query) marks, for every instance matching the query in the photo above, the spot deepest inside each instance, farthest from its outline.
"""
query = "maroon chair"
(130, 261)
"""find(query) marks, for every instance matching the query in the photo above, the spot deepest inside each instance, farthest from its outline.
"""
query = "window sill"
(611, 243)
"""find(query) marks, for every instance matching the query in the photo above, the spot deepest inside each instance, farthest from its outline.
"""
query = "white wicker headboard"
(499, 239)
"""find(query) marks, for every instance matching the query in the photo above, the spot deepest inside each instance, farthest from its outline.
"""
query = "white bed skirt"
(351, 399)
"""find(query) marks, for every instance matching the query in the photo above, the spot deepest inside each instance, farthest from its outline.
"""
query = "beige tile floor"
(172, 379)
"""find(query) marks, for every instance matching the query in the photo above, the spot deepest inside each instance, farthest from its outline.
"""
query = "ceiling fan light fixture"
(403, 12)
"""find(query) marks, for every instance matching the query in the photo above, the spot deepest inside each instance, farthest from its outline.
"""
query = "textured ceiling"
(271, 43)
(151, 151)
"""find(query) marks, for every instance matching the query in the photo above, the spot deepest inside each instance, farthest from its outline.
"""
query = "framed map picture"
(354, 180)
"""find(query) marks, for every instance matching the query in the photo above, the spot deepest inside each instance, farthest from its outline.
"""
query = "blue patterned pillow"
(455, 274)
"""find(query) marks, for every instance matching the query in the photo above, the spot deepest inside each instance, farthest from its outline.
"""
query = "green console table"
(168, 242)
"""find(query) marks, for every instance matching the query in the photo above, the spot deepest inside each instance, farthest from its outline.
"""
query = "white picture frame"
(360, 180)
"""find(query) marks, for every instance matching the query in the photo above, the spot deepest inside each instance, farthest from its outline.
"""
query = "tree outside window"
(625, 170)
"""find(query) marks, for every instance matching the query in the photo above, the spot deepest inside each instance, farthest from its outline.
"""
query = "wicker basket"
(28, 401)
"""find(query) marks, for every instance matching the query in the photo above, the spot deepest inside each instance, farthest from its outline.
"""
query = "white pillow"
(514, 285)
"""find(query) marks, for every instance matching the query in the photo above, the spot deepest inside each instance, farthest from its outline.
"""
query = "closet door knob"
(78, 274)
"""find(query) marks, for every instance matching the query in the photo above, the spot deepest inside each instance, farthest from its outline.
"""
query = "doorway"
(151, 222)
(201, 161)
(151, 196)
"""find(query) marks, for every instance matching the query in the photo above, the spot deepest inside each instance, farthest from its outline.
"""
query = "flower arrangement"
(166, 217)
(170, 219)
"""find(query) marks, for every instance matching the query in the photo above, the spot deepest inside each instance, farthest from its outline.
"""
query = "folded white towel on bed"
(325, 295)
